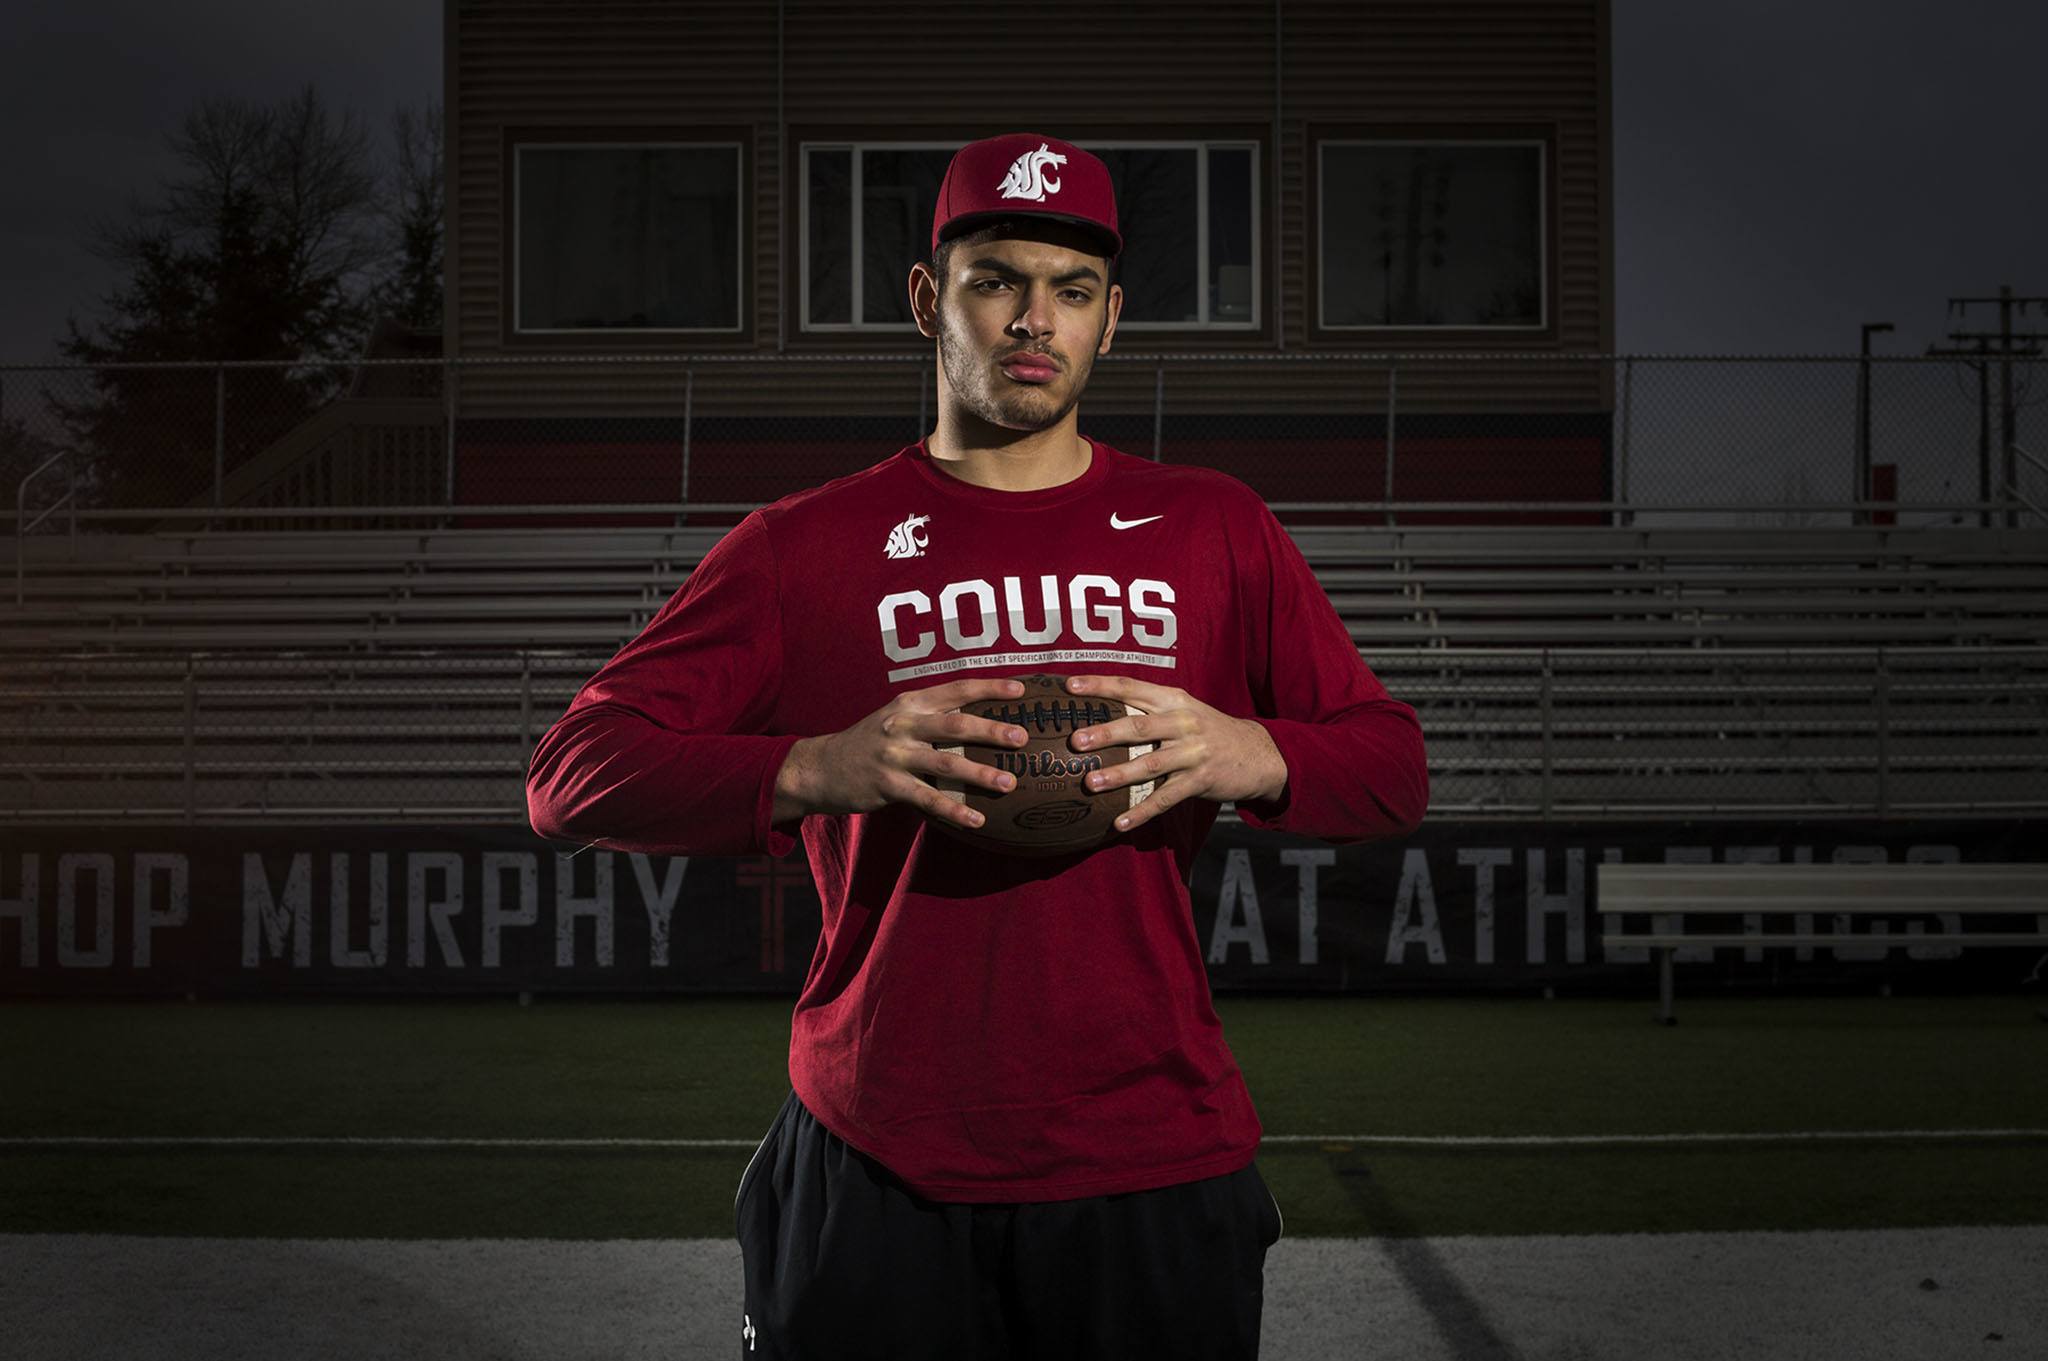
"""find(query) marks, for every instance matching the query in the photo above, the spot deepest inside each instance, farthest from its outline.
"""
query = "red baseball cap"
(1026, 173)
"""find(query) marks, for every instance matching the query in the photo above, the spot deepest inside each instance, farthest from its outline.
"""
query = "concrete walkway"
(1911, 1294)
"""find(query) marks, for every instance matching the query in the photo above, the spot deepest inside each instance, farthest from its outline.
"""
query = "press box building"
(742, 187)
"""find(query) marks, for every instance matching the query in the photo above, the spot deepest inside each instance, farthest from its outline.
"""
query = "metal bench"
(1441, 588)
(1800, 891)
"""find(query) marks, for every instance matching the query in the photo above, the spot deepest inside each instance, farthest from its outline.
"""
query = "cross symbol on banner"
(767, 874)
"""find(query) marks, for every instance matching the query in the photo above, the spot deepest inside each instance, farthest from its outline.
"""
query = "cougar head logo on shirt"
(908, 539)
(1026, 178)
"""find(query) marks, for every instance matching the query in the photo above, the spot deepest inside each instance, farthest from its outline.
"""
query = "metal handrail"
(182, 680)
(1620, 509)
(21, 511)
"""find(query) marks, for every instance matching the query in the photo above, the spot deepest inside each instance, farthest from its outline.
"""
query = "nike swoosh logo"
(1115, 523)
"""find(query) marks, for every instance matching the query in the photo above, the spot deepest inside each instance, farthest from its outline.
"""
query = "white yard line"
(1703, 1137)
(1403, 1140)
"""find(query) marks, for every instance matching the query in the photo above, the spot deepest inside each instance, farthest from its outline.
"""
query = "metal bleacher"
(405, 674)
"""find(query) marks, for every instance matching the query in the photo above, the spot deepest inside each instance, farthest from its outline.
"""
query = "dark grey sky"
(90, 91)
(1783, 172)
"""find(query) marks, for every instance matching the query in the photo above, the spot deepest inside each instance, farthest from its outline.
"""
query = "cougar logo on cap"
(1026, 177)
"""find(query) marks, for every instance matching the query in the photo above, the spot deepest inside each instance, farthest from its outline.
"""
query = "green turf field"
(715, 1069)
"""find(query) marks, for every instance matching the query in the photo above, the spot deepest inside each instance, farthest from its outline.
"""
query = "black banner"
(368, 909)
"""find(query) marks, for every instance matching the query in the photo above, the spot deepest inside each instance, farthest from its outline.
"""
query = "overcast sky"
(1783, 172)
(90, 91)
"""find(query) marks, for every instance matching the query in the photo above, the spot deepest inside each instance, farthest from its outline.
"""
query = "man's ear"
(924, 299)
(1115, 309)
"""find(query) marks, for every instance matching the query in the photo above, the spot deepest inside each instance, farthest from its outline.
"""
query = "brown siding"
(934, 70)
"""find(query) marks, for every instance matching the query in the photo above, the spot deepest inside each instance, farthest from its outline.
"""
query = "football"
(1051, 810)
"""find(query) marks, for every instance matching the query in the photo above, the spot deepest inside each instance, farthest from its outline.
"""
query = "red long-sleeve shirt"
(990, 1028)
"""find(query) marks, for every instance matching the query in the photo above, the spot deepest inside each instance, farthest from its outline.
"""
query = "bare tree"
(411, 292)
(266, 245)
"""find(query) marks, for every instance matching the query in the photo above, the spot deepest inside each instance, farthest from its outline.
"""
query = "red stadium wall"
(499, 470)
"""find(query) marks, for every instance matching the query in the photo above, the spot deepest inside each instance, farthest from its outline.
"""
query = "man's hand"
(879, 760)
(1204, 750)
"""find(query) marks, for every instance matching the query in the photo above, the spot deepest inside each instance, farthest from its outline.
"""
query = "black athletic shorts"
(843, 1262)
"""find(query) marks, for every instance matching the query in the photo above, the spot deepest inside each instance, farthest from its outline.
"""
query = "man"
(1014, 1128)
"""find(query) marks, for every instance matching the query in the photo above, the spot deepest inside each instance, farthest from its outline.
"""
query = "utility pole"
(1859, 515)
(2010, 345)
(1982, 369)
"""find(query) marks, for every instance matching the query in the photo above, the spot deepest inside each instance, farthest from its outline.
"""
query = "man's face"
(1013, 297)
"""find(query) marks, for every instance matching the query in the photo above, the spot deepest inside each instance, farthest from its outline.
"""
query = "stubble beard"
(981, 389)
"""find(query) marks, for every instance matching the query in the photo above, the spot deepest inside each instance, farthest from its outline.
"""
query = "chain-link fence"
(1384, 438)
(1702, 724)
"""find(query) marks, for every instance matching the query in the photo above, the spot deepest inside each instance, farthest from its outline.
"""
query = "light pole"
(1860, 515)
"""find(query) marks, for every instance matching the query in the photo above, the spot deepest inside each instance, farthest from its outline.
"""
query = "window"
(1187, 211)
(625, 237)
(1431, 234)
